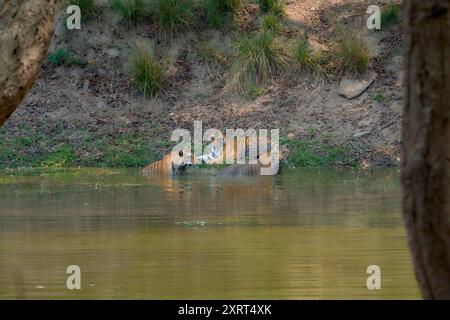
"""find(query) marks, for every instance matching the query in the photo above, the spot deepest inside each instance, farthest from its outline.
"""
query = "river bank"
(85, 110)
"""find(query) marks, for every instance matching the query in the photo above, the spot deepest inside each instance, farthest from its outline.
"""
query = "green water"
(306, 234)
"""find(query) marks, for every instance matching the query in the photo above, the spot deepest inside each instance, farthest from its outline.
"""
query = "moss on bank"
(27, 147)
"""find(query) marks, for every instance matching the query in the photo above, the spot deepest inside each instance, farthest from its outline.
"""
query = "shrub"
(274, 6)
(351, 52)
(174, 15)
(270, 22)
(149, 73)
(216, 10)
(390, 15)
(132, 11)
(87, 7)
(307, 59)
(256, 59)
(64, 57)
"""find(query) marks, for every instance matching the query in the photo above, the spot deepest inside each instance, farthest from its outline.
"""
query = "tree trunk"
(426, 144)
(26, 28)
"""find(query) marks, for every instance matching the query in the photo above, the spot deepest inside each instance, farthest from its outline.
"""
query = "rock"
(290, 136)
(359, 134)
(351, 89)
(113, 53)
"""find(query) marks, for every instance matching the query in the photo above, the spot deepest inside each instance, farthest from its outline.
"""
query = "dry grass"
(257, 59)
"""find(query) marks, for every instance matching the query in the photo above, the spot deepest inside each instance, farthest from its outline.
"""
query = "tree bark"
(426, 144)
(26, 28)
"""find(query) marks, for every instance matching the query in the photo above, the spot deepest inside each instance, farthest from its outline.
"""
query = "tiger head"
(180, 159)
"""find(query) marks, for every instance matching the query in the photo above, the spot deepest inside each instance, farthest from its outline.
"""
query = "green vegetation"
(257, 58)
(64, 57)
(87, 7)
(49, 147)
(217, 10)
(274, 6)
(312, 153)
(379, 97)
(132, 11)
(254, 91)
(351, 52)
(63, 155)
(390, 15)
(307, 59)
(270, 22)
(173, 15)
(149, 73)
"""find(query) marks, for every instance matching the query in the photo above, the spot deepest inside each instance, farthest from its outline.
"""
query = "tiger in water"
(173, 164)
(169, 167)
(249, 169)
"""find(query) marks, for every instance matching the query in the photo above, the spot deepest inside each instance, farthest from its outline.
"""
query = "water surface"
(305, 234)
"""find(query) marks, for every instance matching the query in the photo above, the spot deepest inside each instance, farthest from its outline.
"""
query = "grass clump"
(217, 10)
(257, 58)
(307, 59)
(273, 6)
(270, 22)
(87, 7)
(173, 15)
(351, 52)
(379, 97)
(64, 57)
(149, 72)
(390, 15)
(132, 11)
(211, 54)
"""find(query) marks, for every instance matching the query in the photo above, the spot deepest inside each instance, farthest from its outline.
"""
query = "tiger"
(256, 169)
(168, 166)
(219, 156)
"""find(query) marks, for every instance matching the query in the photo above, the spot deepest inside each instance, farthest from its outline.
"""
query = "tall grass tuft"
(390, 15)
(149, 73)
(87, 7)
(257, 58)
(217, 10)
(132, 11)
(270, 22)
(351, 52)
(174, 15)
(308, 59)
(274, 6)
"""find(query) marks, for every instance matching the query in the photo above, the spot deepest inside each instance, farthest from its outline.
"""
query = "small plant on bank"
(87, 7)
(257, 58)
(390, 15)
(274, 6)
(351, 52)
(149, 73)
(173, 15)
(132, 11)
(217, 10)
(64, 57)
(379, 97)
(270, 22)
(307, 59)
